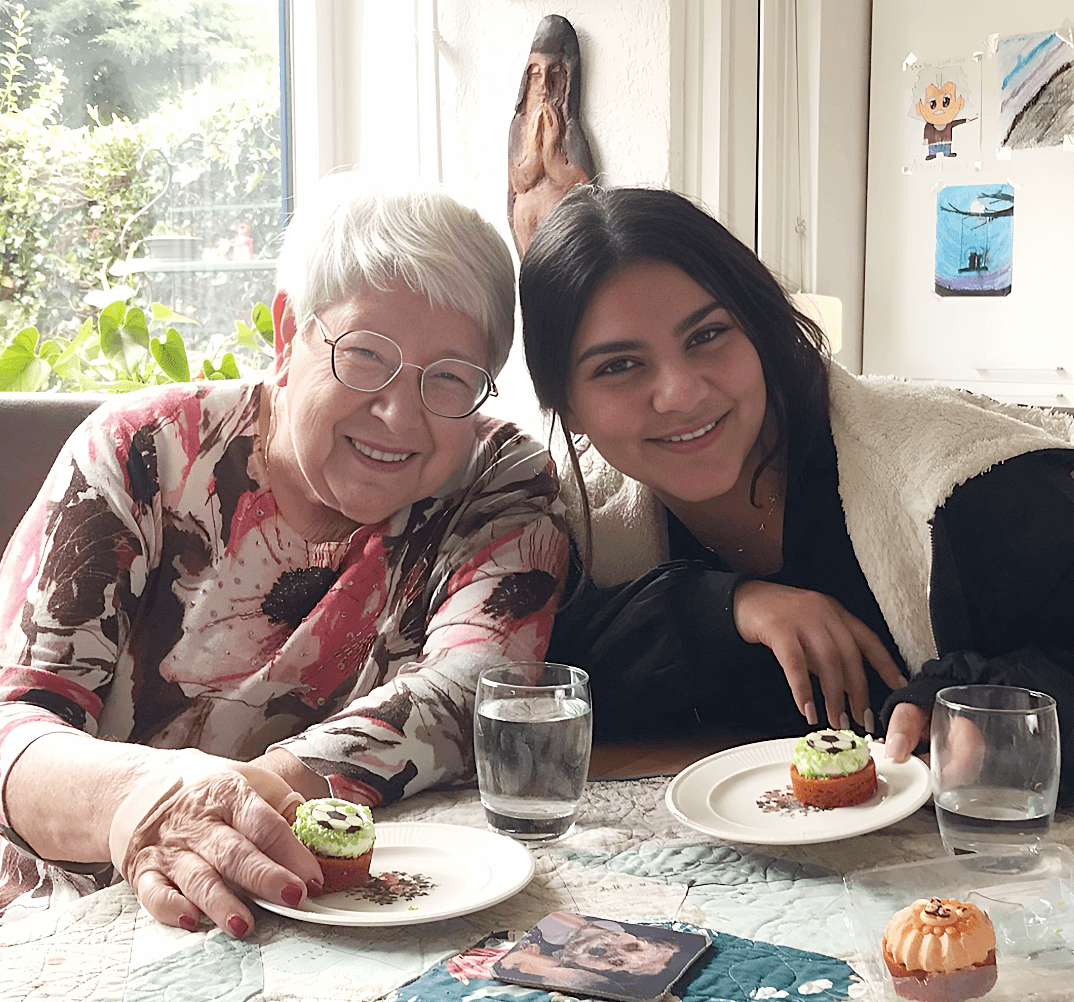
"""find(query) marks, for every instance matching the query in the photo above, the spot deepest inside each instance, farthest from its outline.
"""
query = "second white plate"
(736, 795)
(469, 868)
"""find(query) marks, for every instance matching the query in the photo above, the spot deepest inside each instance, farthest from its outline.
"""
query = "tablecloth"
(630, 859)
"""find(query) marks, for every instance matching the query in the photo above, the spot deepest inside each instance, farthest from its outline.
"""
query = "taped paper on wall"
(942, 99)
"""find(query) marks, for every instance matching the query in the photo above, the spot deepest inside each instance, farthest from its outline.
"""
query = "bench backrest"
(33, 429)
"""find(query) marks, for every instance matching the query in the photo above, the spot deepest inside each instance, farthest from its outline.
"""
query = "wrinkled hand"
(812, 634)
(183, 834)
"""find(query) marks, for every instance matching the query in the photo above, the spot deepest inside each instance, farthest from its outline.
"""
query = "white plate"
(719, 796)
(471, 868)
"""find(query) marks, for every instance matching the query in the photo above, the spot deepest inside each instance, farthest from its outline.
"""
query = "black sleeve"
(664, 656)
(1002, 595)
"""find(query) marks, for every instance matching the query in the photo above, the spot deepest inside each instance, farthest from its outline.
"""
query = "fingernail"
(292, 895)
(897, 747)
(237, 926)
(870, 722)
(314, 888)
(188, 922)
(811, 714)
(844, 721)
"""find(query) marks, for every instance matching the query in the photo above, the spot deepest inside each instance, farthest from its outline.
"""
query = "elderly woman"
(230, 597)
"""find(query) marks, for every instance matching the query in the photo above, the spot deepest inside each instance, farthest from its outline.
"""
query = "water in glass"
(995, 766)
(974, 818)
(532, 759)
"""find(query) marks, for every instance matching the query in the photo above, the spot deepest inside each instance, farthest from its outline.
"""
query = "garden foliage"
(75, 200)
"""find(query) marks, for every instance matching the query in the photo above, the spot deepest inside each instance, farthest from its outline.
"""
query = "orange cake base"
(341, 874)
(835, 791)
(954, 986)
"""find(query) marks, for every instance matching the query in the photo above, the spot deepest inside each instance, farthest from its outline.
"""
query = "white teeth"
(382, 457)
(691, 435)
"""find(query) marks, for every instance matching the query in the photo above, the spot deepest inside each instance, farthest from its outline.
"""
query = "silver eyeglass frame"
(491, 390)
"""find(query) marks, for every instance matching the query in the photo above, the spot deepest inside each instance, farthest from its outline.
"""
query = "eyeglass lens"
(368, 361)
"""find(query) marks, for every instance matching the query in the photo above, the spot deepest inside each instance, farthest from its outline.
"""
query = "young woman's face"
(665, 384)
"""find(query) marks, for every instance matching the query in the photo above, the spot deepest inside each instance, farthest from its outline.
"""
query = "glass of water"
(533, 730)
(995, 766)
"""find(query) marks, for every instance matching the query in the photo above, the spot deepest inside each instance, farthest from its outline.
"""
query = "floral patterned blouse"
(152, 594)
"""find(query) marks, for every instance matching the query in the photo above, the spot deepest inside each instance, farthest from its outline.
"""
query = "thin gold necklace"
(773, 500)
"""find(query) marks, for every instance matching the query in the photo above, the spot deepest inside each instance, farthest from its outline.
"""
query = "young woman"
(748, 510)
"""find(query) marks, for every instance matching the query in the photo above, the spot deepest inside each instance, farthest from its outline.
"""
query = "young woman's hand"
(812, 634)
(908, 725)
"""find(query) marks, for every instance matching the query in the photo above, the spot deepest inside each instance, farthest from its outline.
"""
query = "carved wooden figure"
(548, 152)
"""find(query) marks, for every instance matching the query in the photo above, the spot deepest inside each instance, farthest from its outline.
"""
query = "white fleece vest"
(901, 449)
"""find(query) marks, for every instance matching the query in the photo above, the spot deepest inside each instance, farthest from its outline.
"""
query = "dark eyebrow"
(608, 348)
(611, 347)
(696, 317)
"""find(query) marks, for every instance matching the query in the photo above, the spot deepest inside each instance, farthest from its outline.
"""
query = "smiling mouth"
(689, 436)
(380, 457)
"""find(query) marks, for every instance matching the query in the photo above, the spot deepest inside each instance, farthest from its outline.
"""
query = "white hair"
(351, 236)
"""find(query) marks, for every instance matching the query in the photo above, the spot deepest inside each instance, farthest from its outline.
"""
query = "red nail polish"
(237, 926)
(188, 922)
(292, 895)
(314, 888)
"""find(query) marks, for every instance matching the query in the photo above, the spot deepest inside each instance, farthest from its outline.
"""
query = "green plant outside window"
(83, 187)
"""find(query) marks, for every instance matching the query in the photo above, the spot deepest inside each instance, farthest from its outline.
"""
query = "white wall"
(839, 165)
(814, 126)
(909, 329)
(626, 110)
(668, 98)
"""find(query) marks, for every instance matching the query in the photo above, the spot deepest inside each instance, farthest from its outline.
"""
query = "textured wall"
(626, 107)
(626, 88)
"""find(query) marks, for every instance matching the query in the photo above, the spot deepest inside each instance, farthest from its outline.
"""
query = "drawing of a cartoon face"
(941, 104)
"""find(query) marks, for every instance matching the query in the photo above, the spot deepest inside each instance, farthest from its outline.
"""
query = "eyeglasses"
(366, 361)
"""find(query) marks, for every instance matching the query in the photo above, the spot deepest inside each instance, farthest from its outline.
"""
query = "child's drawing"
(942, 103)
(974, 240)
(1036, 90)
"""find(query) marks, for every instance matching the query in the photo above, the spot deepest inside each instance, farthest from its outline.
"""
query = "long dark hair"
(594, 230)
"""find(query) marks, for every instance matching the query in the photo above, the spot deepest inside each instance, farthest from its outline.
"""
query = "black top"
(665, 657)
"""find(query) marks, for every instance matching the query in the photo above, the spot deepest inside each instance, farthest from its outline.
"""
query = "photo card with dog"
(602, 957)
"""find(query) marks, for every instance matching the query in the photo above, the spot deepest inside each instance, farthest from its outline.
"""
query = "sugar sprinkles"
(782, 801)
(391, 887)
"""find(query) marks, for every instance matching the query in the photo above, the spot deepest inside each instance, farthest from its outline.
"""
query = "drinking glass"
(533, 729)
(995, 766)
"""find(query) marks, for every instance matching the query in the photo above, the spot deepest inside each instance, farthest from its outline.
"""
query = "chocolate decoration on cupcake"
(341, 835)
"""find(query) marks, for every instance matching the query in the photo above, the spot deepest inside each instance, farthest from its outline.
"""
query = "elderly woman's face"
(367, 455)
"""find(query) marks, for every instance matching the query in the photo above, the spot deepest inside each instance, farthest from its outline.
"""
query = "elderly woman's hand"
(185, 833)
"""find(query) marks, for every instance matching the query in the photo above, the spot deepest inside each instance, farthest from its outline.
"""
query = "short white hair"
(351, 236)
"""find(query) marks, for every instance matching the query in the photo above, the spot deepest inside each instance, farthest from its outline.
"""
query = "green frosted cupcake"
(341, 835)
(830, 753)
(832, 768)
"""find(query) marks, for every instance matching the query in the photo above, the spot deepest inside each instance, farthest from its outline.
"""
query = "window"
(366, 90)
(140, 156)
